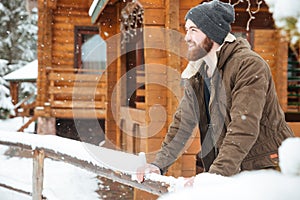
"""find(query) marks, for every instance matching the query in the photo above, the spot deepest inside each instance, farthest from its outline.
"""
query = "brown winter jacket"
(247, 123)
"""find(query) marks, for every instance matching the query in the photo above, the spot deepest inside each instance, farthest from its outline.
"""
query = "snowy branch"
(286, 15)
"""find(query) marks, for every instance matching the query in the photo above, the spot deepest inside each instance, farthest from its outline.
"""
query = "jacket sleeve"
(248, 100)
(180, 130)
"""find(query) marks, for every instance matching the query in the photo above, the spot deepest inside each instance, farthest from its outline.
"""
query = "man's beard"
(200, 50)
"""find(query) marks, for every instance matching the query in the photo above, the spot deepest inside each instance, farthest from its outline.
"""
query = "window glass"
(90, 50)
(293, 83)
(93, 53)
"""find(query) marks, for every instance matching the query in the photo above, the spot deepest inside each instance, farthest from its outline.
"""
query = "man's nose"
(187, 37)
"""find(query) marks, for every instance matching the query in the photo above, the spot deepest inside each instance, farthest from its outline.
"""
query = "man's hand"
(189, 182)
(146, 169)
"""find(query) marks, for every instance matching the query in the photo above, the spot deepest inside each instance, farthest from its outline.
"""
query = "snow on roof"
(27, 73)
(3, 62)
(93, 7)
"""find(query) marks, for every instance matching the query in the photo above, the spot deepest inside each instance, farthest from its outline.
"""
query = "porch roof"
(27, 73)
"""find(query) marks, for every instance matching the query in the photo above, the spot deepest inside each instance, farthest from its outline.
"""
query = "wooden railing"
(140, 92)
(25, 109)
(77, 92)
(131, 120)
(42, 151)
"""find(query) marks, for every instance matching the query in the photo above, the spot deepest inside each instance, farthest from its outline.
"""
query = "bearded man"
(230, 94)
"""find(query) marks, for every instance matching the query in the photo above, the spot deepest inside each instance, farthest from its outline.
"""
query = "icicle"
(132, 19)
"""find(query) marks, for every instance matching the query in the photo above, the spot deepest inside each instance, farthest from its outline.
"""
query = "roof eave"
(21, 80)
(98, 8)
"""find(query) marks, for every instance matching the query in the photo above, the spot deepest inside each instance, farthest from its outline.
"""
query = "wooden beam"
(15, 189)
(38, 174)
(52, 4)
(113, 2)
(76, 91)
(154, 187)
(14, 92)
(172, 14)
(78, 113)
(44, 49)
(32, 119)
(78, 104)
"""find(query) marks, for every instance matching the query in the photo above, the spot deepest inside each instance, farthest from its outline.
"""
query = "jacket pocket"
(264, 161)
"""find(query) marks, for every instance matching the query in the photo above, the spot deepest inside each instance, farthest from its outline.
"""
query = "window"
(293, 83)
(135, 71)
(132, 42)
(90, 49)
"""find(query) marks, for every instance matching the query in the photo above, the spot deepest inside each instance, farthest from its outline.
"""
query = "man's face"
(198, 43)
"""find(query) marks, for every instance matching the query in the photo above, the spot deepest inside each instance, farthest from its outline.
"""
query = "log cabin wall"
(56, 38)
(161, 17)
(44, 54)
(57, 22)
(154, 22)
(274, 49)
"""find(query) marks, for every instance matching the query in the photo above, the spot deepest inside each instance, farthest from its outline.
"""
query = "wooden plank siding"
(77, 94)
(109, 27)
(159, 15)
(44, 49)
(56, 37)
(274, 50)
(64, 21)
(55, 99)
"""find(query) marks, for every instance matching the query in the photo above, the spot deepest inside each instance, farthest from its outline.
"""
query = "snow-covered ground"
(13, 124)
(63, 181)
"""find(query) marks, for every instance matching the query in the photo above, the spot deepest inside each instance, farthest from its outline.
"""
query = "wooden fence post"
(38, 174)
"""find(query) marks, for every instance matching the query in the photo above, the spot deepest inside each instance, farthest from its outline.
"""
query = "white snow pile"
(258, 185)
(77, 183)
(289, 157)
(61, 180)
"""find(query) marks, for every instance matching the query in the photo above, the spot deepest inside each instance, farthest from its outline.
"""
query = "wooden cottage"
(26, 74)
(23, 106)
(115, 66)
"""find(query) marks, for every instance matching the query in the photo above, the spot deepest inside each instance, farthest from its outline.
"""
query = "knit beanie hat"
(212, 18)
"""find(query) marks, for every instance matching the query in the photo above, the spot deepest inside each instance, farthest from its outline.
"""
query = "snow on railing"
(114, 165)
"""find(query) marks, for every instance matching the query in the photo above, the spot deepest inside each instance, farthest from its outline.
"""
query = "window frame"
(293, 74)
(79, 31)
